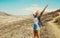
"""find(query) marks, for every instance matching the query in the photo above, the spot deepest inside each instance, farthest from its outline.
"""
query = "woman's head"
(37, 13)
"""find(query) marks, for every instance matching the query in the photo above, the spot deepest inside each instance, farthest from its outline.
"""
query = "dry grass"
(23, 28)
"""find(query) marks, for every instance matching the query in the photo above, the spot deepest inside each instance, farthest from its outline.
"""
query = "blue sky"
(25, 7)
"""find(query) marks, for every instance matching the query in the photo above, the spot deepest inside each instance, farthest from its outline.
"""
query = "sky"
(26, 7)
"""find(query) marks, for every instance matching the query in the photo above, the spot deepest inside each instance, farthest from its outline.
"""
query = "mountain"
(4, 14)
(50, 15)
(57, 10)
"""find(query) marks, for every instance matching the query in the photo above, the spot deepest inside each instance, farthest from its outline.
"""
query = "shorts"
(36, 27)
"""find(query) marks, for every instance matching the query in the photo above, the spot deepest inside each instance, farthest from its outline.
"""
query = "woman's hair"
(37, 13)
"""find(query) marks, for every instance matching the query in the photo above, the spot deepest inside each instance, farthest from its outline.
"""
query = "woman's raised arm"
(43, 11)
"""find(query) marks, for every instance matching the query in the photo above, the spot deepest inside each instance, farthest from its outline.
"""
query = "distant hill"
(50, 15)
(4, 14)
(57, 10)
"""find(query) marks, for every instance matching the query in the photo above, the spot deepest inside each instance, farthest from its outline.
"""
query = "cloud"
(32, 8)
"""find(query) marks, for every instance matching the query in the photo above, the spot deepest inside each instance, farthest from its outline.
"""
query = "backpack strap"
(40, 22)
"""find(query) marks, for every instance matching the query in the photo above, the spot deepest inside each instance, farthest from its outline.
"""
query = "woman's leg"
(38, 33)
(35, 33)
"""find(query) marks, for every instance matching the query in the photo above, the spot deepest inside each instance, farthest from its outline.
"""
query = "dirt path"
(54, 29)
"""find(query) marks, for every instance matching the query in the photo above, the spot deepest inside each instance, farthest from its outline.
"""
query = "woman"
(36, 26)
(37, 23)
